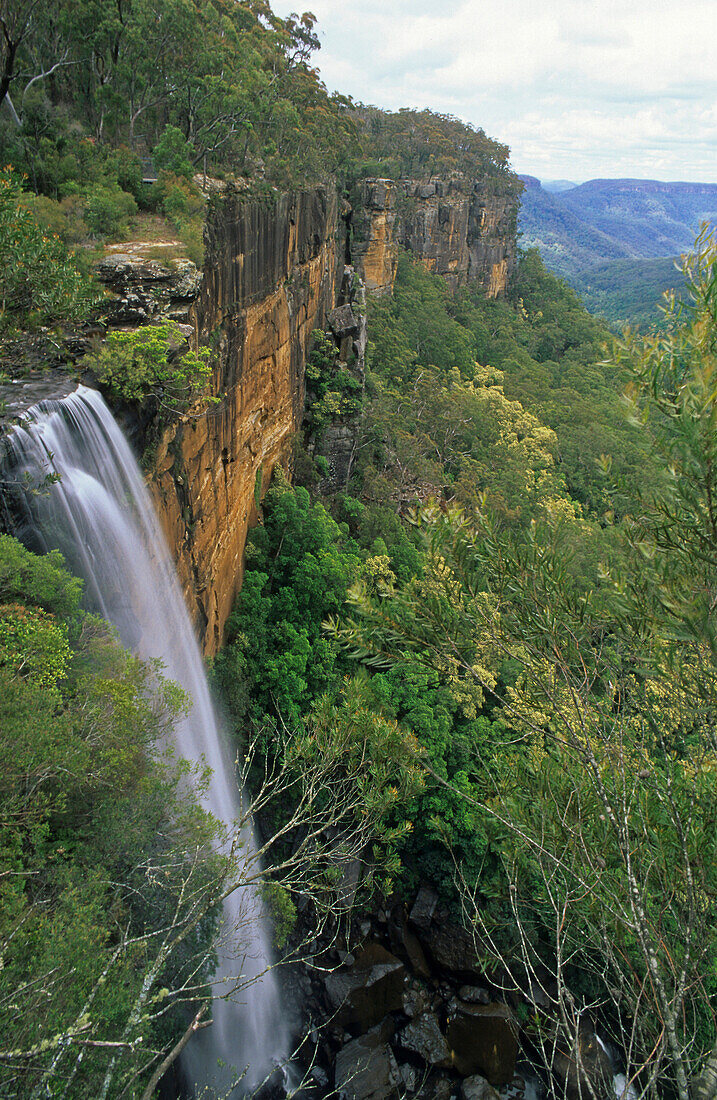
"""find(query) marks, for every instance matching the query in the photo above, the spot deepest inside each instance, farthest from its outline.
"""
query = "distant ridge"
(557, 186)
(611, 219)
(605, 236)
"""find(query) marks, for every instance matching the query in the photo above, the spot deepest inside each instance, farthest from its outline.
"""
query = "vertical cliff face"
(276, 270)
(272, 274)
(374, 238)
(461, 229)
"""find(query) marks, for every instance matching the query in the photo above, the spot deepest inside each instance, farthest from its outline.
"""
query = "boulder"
(452, 948)
(590, 1074)
(343, 322)
(415, 953)
(474, 995)
(423, 908)
(366, 1070)
(484, 1039)
(361, 995)
(410, 1078)
(477, 1088)
(523, 1088)
(436, 1088)
(424, 1037)
(415, 1000)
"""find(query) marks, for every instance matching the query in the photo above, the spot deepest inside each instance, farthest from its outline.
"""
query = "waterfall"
(101, 517)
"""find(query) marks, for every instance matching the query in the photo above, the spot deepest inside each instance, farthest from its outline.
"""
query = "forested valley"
(470, 689)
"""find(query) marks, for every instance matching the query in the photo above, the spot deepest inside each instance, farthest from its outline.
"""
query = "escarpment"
(464, 230)
(271, 275)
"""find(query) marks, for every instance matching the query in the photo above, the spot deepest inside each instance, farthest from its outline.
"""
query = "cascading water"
(100, 516)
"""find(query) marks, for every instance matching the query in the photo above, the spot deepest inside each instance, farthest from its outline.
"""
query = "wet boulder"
(583, 1067)
(366, 1070)
(474, 995)
(415, 1000)
(423, 908)
(362, 994)
(409, 943)
(452, 948)
(423, 1037)
(477, 1088)
(484, 1039)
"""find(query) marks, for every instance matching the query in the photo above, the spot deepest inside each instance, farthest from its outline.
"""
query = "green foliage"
(333, 390)
(282, 912)
(546, 369)
(420, 144)
(379, 758)
(243, 98)
(32, 644)
(107, 211)
(183, 203)
(606, 698)
(299, 568)
(173, 153)
(149, 362)
(40, 581)
(40, 283)
(414, 328)
(628, 291)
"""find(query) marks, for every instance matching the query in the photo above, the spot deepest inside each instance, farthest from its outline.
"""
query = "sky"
(578, 90)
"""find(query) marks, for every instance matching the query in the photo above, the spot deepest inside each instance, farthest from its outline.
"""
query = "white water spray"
(101, 517)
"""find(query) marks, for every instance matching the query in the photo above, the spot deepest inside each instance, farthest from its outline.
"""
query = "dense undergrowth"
(99, 839)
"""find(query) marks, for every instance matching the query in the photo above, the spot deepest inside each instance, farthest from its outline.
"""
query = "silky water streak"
(100, 515)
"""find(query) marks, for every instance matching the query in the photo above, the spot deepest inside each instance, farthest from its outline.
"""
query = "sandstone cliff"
(274, 272)
(271, 276)
(461, 229)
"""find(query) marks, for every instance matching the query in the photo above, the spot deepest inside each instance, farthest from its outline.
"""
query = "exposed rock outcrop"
(484, 1039)
(272, 275)
(461, 229)
(394, 1031)
(143, 290)
(366, 1069)
(364, 993)
(275, 270)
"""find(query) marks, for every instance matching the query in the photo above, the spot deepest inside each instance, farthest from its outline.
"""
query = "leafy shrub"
(41, 581)
(40, 282)
(108, 210)
(148, 363)
(32, 644)
(173, 153)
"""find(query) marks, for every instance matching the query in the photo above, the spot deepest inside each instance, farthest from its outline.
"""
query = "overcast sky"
(577, 89)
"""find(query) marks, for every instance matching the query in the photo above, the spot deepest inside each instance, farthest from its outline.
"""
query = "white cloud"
(577, 88)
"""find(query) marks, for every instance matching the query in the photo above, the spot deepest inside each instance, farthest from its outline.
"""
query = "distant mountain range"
(583, 230)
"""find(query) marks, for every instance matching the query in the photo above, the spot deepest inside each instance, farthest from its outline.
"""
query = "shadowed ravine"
(101, 517)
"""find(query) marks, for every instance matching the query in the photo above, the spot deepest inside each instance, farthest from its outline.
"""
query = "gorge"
(273, 274)
(455, 606)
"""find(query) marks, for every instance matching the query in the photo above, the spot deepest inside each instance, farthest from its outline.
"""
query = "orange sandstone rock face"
(271, 276)
(374, 248)
(461, 229)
